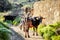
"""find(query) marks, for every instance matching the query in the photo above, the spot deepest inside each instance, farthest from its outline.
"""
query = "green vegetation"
(8, 21)
(2, 18)
(39, 28)
(2, 24)
(4, 30)
(17, 20)
(56, 37)
(49, 32)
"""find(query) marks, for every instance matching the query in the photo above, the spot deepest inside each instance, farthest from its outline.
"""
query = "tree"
(20, 5)
(5, 5)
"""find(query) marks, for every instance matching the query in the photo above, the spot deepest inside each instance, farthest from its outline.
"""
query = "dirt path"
(18, 34)
(15, 35)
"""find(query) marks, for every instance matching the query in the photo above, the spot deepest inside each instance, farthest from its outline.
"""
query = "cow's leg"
(36, 32)
(20, 26)
(23, 27)
(27, 33)
(33, 31)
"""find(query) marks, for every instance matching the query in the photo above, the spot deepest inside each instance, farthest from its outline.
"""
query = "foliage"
(39, 28)
(56, 25)
(56, 37)
(2, 24)
(9, 21)
(2, 18)
(17, 20)
(4, 32)
(49, 31)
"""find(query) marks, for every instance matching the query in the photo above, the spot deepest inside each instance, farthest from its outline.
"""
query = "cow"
(35, 22)
(31, 22)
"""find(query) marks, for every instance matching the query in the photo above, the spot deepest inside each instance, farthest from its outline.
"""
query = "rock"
(48, 9)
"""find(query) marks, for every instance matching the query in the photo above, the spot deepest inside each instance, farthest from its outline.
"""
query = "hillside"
(49, 9)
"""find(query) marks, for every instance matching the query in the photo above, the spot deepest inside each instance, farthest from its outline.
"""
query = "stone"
(48, 9)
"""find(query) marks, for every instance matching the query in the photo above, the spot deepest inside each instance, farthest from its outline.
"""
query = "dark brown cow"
(28, 24)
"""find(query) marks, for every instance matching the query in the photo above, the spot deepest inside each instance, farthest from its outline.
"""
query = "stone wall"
(48, 9)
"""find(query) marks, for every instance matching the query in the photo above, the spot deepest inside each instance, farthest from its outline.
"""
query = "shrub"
(49, 31)
(9, 21)
(2, 18)
(40, 26)
(2, 24)
(17, 20)
(4, 32)
(56, 25)
(55, 37)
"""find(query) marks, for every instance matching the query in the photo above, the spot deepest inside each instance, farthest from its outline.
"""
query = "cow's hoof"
(25, 36)
(28, 36)
(36, 34)
(33, 34)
